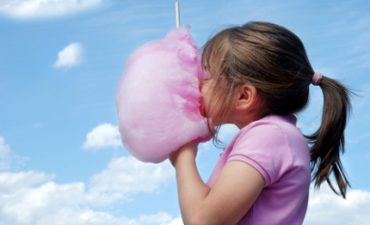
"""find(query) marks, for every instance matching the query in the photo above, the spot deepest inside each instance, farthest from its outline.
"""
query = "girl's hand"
(190, 149)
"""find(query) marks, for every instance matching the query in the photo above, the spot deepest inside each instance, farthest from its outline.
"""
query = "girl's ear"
(246, 97)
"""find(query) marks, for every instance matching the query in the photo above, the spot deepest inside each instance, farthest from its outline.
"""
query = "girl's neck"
(243, 121)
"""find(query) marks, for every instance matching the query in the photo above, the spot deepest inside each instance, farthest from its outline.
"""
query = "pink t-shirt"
(276, 148)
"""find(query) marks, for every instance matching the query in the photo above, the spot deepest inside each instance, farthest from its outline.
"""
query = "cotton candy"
(158, 98)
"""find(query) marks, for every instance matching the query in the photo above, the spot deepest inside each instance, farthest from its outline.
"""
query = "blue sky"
(61, 161)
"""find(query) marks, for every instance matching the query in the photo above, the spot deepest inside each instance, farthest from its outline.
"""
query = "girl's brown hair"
(274, 60)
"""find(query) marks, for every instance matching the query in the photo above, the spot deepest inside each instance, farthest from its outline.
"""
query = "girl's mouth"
(201, 107)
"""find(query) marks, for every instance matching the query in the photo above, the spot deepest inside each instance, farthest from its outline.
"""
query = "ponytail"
(327, 143)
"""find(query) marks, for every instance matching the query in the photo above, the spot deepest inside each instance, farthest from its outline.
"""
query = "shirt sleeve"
(264, 147)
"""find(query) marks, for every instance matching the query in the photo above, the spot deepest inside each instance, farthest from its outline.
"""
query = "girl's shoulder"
(275, 125)
(272, 145)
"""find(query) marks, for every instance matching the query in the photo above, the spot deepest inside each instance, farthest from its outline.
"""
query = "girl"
(258, 77)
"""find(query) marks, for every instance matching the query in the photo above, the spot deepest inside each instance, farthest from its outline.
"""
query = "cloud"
(70, 56)
(103, 136)
(160, 218)
(326, 208)
(125, 176)
(30, 197)
(7, 158)
(176, 221)
(42, 9)
(32, 205)
(34, 198)
(21, 180)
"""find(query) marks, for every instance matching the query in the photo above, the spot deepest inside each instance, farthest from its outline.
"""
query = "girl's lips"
(202, 111)
(201, 107)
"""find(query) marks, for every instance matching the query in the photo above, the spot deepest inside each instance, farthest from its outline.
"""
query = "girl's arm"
(236, 189)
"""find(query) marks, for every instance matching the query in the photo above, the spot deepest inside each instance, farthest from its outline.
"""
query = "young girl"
(258, 77)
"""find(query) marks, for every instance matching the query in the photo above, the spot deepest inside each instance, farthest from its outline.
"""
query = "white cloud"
(103, 136)
(70, 56)
(326, 208)
(32, 205)
(74, 215)
(159, 219)
(39, 9)
(7, 158)
(11, 182)
(176, 221)
(125, 176)
(34, 198)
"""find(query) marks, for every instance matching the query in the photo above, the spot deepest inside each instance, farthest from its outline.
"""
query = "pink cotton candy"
(158, 98)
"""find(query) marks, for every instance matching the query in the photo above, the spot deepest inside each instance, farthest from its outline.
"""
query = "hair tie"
(316, 78)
